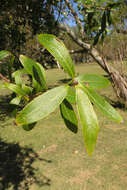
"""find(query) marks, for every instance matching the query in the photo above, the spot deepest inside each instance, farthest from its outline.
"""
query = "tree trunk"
(118, 81)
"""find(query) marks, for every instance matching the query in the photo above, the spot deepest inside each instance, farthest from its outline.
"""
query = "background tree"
(20, 21)
(94, 20)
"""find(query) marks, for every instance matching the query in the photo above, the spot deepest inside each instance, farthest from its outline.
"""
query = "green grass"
(50, 157)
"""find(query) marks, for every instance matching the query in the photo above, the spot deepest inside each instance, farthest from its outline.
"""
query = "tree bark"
(119, 82)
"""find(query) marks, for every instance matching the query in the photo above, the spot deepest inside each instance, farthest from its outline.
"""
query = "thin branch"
(4, 78)
(92, 51)
(76, 18)
(78, 51)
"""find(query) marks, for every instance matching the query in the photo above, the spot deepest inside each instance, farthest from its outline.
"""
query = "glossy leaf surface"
(71, 96)
(16, 100)
(69, 116)
(103, 105)
(88, 119)
(94, 81)
(42, 105)
(57, 48)
(31, 67)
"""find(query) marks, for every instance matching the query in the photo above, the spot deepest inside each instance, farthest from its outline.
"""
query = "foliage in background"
(20, 21)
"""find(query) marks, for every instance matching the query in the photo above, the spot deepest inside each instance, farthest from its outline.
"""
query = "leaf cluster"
(79, 92)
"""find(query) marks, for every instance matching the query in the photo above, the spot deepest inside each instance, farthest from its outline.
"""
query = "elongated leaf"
(109, 18)
(93, 81)
(32, 66)
(18, 76)
(16, 100)
(59, 51)
(4, 54)
(96, 39)
(15, 88)
(103, 22)
(103, 105)
(71, 96)
(36, 75)
(88, 119)
(69, 116)
(42, 105)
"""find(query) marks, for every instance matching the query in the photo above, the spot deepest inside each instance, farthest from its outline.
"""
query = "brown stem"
(119, 82)
(4, 78)
(76, 18)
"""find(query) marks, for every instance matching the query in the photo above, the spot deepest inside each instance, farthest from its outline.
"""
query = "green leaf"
(103, 105)
(103, 22)
(16, 100)
(32, 66)
(69, 116)
(29, 127)
(109, 18)
(4, 54)
(57, 48)
(93, 81)
(15, 88)
(96, 39)
(42, 105)
(88, 119)
(71, 96)
(36, 75)
(27, 89)
(18, 76)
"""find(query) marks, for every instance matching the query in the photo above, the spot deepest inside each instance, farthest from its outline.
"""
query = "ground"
(50, 157)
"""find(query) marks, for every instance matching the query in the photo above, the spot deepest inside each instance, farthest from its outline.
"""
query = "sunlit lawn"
(50, 157)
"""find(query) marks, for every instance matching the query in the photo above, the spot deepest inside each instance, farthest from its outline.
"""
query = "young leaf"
(15, 88)
(88, 119)
(32, 66)
(4, 54)
(93, 81)
(42, 105)
(17, 76)
(59, 51)
(69, 116)
(103, 105)
(16, 100)
(71, 96)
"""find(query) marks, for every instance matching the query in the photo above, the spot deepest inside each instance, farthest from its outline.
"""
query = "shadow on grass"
(16, 170)
(5, 107)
